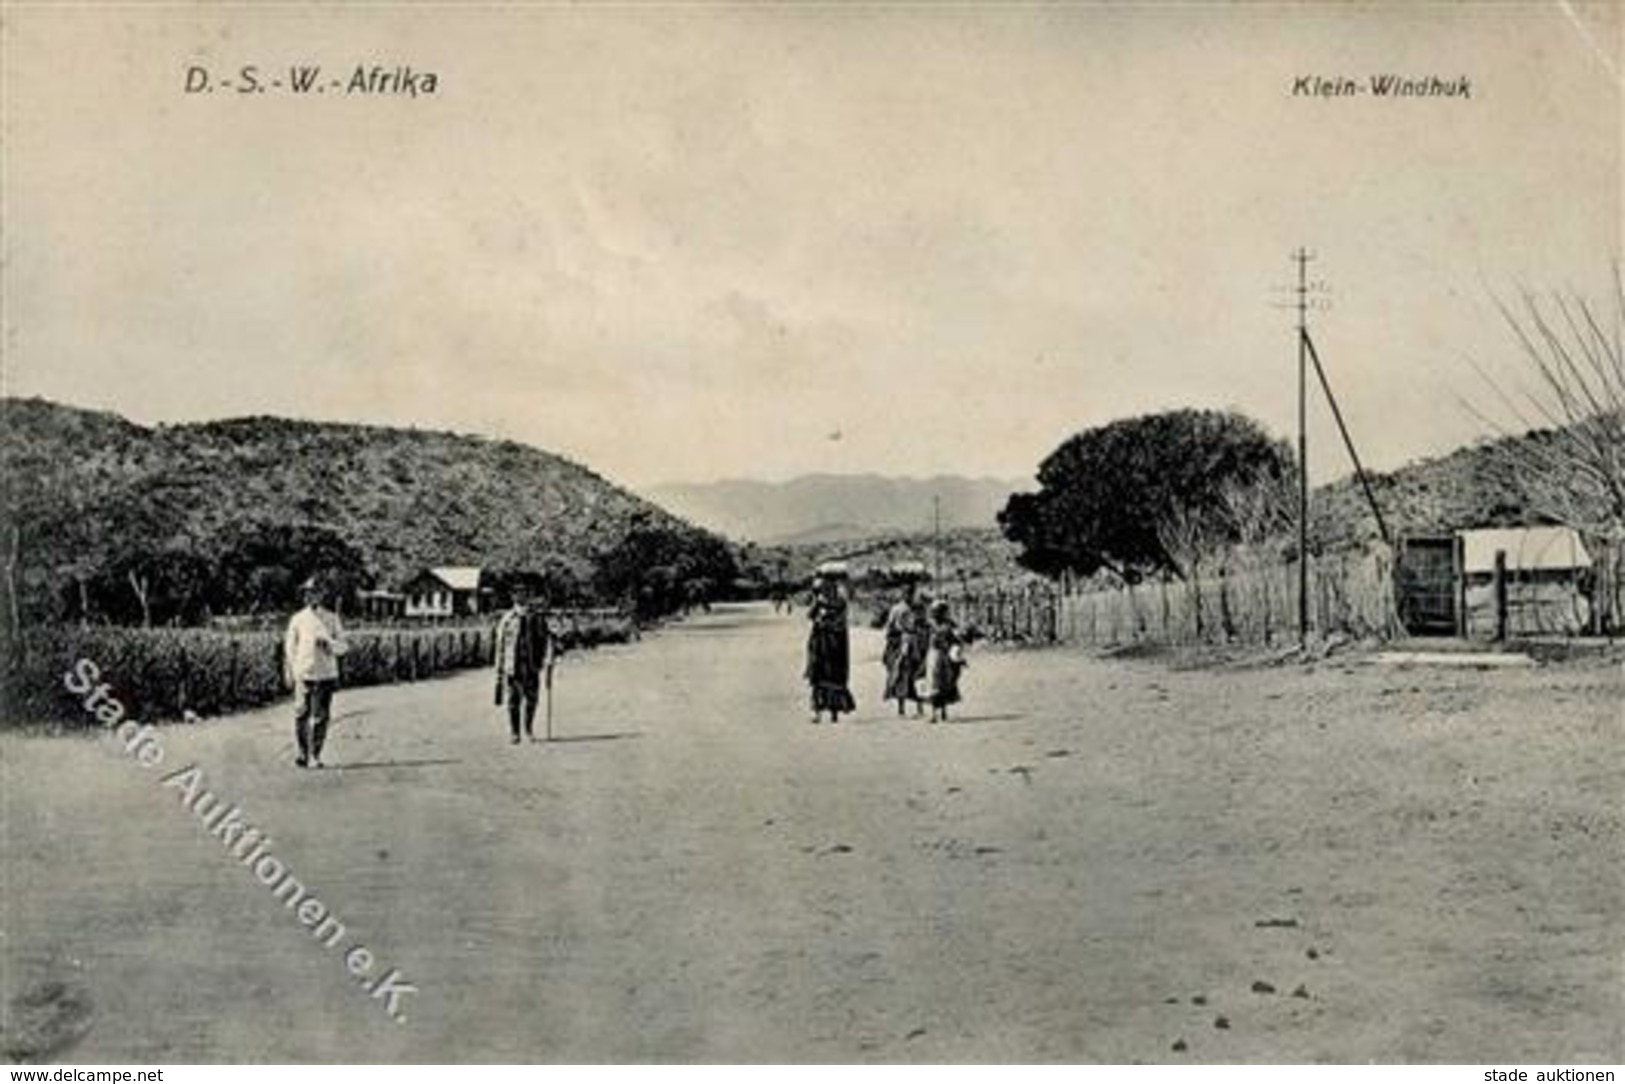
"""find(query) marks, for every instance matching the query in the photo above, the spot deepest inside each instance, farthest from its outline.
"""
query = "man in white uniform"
(310, 666)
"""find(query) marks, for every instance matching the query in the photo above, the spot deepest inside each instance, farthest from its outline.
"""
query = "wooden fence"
(1248, 602)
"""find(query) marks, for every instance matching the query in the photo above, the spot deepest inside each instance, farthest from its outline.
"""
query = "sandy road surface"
(1097, 862)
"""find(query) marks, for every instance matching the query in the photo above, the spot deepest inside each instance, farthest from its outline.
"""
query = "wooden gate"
(1425, 585)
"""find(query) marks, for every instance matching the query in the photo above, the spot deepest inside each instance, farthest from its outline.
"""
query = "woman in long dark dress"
(829, 658)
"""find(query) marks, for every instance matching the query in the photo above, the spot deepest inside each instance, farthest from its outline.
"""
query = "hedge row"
(162, 674)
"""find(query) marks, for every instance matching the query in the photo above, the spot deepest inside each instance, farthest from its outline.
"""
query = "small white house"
(1545, 571)
(447, 591)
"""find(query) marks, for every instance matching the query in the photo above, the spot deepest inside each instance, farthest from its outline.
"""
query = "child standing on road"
(947, 660)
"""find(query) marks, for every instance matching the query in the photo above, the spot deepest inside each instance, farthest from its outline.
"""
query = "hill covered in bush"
(95, 504)
(1482, 485)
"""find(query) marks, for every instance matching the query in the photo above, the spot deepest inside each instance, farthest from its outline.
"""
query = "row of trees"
(256, 569)
(654, 569)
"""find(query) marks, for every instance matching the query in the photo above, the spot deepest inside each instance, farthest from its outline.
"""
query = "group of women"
(922, 642)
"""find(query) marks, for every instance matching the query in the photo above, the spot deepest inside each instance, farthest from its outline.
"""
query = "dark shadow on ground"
(566, 739)
(886, 720)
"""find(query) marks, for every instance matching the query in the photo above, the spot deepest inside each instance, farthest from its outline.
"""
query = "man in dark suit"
(525, 651)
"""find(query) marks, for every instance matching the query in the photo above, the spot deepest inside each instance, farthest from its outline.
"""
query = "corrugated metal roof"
(458, 577)
(1528, 549)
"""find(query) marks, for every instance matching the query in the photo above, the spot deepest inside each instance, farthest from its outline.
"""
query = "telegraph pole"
(1309, 296)
(936, 540)
(1302, 258)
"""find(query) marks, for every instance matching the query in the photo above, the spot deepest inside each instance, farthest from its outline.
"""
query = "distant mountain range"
(823, 512)
(826, 508)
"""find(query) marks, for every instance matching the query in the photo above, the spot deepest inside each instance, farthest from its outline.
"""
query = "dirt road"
(1097, 862)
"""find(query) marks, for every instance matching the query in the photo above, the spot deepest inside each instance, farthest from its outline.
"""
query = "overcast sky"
(690, 243)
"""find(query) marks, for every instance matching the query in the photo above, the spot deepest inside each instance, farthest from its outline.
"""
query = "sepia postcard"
(813, 533)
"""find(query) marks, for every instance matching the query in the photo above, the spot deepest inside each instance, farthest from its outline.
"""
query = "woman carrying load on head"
(828, 651)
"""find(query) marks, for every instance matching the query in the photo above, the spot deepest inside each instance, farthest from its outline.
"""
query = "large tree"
(1107, 494)
(261, 566)
(658, 569)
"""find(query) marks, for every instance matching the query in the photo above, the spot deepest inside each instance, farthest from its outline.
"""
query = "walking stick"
(549, 683)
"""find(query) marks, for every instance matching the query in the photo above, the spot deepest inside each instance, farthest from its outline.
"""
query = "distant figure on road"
(828, 651)
(525, 651)
(947, 661)
(908, 641)
(310, 666)
(697, 595)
